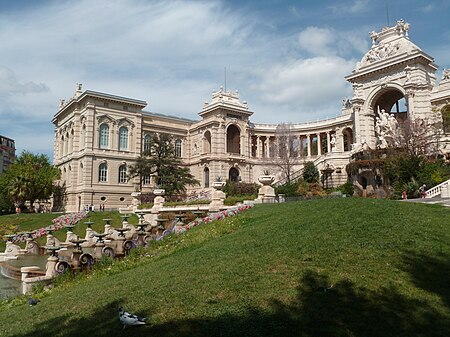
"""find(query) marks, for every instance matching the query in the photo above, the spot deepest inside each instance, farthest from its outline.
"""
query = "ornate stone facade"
(98, 135)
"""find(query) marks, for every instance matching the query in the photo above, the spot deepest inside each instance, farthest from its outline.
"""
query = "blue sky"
(288, 59)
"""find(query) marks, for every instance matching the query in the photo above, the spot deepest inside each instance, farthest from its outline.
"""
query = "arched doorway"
(233, 139)
(233, 175)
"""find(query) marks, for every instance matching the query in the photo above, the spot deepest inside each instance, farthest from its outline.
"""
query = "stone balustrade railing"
(437, 190)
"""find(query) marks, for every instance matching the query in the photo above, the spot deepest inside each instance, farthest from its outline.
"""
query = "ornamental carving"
(381, 52)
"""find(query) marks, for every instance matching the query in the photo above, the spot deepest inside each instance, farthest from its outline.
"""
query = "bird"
(32, 301)
(128, 319)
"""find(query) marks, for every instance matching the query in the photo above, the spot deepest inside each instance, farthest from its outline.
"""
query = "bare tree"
(285, 150)
(420, 137)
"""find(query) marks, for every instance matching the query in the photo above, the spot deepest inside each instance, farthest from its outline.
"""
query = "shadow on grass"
(430, 273)
(318, 310)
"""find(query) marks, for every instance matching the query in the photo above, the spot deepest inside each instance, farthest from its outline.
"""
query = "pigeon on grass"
(32, 301)
(128, 319)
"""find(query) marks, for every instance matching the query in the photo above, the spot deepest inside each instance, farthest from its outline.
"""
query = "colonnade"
(305, 145)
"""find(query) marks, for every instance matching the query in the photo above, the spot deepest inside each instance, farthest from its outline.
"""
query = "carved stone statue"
(333, 142)
(386, 128)
(446, 74)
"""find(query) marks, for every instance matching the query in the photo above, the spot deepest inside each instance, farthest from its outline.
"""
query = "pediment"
(105, 119)
(125, 122)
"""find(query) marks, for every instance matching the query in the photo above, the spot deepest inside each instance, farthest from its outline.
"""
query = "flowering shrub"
(213, 217)
(58, 223)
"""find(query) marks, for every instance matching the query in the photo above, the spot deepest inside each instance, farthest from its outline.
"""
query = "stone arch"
(207, 142)
(391, 99)
(233, 174)
(233, 139)
(347, 139)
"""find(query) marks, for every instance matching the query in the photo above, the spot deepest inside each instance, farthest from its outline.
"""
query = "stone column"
(258, 147)
(266, 147)
(300, 146)
(308, 137)
(319, 144)
(328, 142)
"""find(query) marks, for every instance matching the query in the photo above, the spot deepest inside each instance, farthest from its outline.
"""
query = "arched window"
(69, 177)
(102, 173)
(122, 174)
(123, 139)
(178, 148)
(207, 142)
(104, 136)
(83, 137)
(72, 136)
(206, 176)
(61, 147)
(80, 174)
(147, 142)
(233, 139)
(66, 144)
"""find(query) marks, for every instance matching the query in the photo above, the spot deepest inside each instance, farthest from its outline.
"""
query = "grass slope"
(385, 266)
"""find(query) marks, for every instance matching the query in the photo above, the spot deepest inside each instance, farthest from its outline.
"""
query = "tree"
(420, 137)
(160, 160)
(285, 150)
(29, 178)
(310, 172)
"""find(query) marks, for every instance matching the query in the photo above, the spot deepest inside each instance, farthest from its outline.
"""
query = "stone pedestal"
(445, 191)
(158, 203)
(98, 250)
(52, 241)
(119, 246)
(266, 193)
(50, 268)
(31, 247)
(135, 202)
(218, 196)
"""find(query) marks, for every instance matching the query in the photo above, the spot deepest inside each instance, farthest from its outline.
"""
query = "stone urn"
(218, 185)
(266, 193)
(218, 196)
(159, 192)
(266, 180)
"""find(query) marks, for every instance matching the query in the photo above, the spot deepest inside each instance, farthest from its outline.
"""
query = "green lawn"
(385, 266)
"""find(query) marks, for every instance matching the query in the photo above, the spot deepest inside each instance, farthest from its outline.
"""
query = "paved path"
(435, 200)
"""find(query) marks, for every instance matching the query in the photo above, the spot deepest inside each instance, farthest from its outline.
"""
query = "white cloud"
(169, 53)
(316, 40)
(356, 7)
(428, 8)
(359, 6)
(10, 85)
(308, 84)
(326, 41)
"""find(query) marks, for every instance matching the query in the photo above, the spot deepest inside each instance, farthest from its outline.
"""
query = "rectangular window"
(147, 180)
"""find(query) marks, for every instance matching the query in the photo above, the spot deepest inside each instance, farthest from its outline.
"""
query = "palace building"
(99, 135)
(7, 152)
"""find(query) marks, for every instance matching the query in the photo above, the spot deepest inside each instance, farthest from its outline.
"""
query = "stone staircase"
(442, 190)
